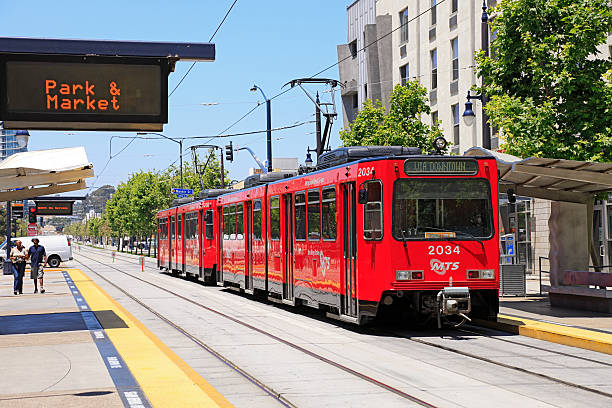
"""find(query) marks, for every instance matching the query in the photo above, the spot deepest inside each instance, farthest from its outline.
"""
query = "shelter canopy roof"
(43, 172)
(550, 179)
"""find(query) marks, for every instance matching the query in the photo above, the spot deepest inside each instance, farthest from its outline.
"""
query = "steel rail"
(319, 357)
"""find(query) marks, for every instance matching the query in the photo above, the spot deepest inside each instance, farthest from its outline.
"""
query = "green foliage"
(548, 85)
(401, 126)
(132, 208)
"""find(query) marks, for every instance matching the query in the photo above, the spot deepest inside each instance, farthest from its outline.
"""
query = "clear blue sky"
(267, 43)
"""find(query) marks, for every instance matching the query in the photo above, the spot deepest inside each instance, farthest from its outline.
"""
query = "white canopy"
(550, 179)
(43, 172)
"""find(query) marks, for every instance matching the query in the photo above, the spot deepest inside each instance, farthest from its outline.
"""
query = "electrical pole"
(318, 125)
(486, 130)
(7, 260)
(269, 134)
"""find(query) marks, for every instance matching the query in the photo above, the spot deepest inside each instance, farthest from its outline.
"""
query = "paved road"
(312, 362)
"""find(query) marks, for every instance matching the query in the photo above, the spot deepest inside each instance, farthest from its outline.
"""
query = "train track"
(427, 343)
(231, 364)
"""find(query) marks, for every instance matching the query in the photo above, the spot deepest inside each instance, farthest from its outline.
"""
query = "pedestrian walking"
(38, 257)
(18, 257)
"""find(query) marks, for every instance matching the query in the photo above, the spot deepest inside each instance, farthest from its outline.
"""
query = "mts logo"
(441, 268)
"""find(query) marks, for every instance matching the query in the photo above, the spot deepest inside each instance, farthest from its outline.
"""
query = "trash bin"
(512, 280)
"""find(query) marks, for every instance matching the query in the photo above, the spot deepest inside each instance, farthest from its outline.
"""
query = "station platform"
(533, 316)
(75, 346)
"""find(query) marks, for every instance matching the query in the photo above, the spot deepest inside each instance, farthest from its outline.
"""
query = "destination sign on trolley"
(89, 93)
(440, 166)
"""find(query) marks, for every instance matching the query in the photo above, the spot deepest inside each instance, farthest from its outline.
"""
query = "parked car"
(57, 247)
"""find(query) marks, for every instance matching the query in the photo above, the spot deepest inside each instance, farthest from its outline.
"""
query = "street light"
(468, 115)
(180, 143)
(269, 129)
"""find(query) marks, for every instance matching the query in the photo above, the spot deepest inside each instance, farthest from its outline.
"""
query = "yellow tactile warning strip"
(555, 333)
(163, 376)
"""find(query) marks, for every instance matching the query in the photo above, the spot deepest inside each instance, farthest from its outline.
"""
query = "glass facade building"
(9, 144)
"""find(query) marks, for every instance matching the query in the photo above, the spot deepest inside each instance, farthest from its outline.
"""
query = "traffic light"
(32, 215)
(229, 152)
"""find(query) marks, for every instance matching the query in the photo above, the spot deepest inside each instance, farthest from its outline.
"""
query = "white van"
(57, 247)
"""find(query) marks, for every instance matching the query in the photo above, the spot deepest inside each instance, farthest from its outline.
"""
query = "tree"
(549, 87)
(401, 126)
(211, 178)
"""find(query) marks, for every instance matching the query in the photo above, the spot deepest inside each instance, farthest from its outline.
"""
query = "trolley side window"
(239, 221)
(226, 222)
(275, 218)
(373, 211)
(300, 216)
(232, 232)
(180, 227)
(193, 225)
(257, 219)
(328, 205)
(210, 224)
(314, 215)
(172, 228)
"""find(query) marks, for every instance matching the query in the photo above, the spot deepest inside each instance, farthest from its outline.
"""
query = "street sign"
(182, 195)
(54, 207)
(17, 210)
(92, 93)
(32, 230)
(187, 191)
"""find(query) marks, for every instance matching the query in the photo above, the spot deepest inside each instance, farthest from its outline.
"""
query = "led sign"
(440, 166)
(54, 207)
(95, 93)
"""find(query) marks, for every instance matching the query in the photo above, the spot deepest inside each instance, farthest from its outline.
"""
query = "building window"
(434, 118)
(455, 56)
(433, 12)
(455, 113)
(434, 68)
(355, 99)
(404, 73)
(365, 91)
(454, 6)
(353, 48)
(404, 26)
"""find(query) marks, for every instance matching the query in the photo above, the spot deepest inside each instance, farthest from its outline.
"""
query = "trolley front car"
(372, 230)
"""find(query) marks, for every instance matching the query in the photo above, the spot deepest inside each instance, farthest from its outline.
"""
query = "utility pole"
(484, 34)
(318, 125)
(222, 170)
(269, 134)
(7, 260)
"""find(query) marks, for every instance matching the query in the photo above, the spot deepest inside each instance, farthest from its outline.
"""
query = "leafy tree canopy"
(401, 126)
(548, 84)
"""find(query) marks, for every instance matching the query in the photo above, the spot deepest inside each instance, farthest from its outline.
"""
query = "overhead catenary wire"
(211, 38)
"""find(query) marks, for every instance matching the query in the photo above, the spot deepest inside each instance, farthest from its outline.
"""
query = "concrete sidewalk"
(47, 353)
(75, 346)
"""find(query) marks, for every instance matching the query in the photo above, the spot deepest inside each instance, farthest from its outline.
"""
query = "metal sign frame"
(78, 120)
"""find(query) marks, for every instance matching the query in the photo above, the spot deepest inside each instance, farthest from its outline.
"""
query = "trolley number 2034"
(443, 249)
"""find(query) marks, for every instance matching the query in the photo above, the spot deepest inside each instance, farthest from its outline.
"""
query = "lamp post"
(269, 127)
(468, 114)
(180, 143)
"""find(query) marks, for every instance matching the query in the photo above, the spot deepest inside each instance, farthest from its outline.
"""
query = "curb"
(555, 333)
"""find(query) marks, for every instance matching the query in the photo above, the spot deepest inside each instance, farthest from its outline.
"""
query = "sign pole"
(7, 261)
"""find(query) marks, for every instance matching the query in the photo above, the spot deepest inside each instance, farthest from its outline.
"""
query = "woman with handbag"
(18, 257)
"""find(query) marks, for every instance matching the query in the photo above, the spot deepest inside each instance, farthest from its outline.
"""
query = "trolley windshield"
(457, 208)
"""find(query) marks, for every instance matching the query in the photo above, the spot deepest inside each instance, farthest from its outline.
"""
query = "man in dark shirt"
(38, 257)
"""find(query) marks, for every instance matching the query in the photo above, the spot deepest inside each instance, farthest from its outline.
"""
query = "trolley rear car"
(372, 229)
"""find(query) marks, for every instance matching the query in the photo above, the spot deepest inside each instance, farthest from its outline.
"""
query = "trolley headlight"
(409, 275)
(481, 274)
